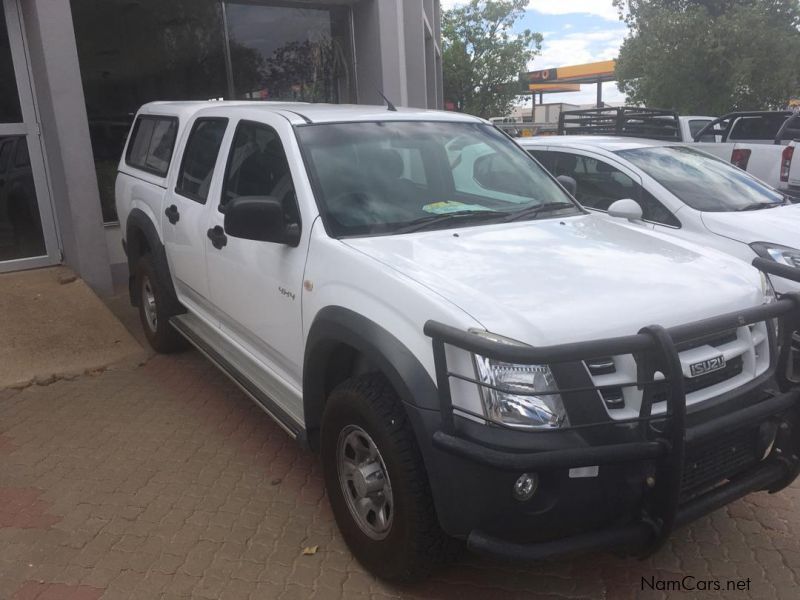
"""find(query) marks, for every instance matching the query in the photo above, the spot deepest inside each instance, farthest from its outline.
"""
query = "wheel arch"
(338, 331)
(141, 237)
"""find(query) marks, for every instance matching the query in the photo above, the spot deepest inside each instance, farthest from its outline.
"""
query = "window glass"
(200, 157)
(702, 181)
(764, 127)
(140, 142)
(384, 177)
(257, 166)
(5, 154)
(131, 53)
(152, 141)
(9, 100)
(600, 184)
(695, 125)
(290, 52)
(22, 158)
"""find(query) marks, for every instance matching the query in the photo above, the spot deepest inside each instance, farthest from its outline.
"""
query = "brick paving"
(164, 481)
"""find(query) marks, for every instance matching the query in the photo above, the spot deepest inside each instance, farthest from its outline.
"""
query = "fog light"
(525, 486)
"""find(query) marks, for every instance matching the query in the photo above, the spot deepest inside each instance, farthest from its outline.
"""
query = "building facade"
(74, 72)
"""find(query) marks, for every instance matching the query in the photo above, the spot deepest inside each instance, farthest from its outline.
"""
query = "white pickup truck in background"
(763, 143)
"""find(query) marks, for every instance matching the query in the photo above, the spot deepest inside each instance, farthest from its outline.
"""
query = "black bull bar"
(654, 349)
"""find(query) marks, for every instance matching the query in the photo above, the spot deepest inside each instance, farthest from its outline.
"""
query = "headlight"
(516, 404)
(767, 289)
(780, 254)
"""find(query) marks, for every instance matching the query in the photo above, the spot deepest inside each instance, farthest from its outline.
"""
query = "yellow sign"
(545, 88)
(586, 73)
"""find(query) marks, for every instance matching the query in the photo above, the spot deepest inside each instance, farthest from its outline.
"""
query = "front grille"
(715, 339)
(733, 368)
(713, 461)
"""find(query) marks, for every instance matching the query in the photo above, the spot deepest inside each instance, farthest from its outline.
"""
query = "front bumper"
(648, 475)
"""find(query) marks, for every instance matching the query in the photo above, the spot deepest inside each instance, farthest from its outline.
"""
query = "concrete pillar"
(65, 132)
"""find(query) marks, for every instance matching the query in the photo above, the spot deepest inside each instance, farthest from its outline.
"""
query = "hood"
(779, 225)
(564, 280)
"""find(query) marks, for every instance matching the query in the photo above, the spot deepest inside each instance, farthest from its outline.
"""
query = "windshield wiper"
(533, 211)
(759, 206)
(431, 220)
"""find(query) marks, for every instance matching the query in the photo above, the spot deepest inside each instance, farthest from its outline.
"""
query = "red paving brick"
(164, 481)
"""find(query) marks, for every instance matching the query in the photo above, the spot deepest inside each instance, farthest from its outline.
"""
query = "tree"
(482, 57)
(710, 56)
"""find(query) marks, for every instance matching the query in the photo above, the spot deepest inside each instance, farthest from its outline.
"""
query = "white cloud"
(599, 8)
(577, 48)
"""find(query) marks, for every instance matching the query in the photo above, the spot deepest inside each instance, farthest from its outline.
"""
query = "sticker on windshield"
(443, 208)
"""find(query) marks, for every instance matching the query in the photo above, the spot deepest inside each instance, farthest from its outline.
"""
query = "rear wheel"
(153, 309)
(377, 483)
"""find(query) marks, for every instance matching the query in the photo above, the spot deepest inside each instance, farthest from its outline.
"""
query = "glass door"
(27, 230)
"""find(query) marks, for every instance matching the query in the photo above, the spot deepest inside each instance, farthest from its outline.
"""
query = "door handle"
(173, 216)
(217, 236)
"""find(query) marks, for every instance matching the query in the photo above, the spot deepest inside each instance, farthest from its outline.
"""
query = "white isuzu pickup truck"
(474, 356)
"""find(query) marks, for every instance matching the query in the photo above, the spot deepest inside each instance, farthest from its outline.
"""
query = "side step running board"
(211, 344)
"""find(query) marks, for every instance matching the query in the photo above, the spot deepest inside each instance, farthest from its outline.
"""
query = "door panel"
(185, 211)
(256, 287)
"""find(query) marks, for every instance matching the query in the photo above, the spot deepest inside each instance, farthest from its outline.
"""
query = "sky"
(574, 32)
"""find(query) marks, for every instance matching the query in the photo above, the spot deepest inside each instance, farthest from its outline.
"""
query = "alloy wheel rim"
(365, 482)
(149, 304)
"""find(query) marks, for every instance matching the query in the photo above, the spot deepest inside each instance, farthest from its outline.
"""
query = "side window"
(151, 145)
(601, 184)
(544, 157)
(199, 158)
(654, 211)
(695, 125)
(257, 166)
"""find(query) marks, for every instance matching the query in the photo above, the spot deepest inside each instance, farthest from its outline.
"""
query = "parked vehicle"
(761, 143)
(634, 122)
(679, 190)
(472, 353)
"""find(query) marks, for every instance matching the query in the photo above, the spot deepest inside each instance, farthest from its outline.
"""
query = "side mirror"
(626, 209)
(568, 183)
(260, 218)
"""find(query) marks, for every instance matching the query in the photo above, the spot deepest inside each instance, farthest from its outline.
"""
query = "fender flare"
(335, 325)
(139, 221)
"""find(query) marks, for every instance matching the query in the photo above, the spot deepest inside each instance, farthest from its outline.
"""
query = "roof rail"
(625, 121)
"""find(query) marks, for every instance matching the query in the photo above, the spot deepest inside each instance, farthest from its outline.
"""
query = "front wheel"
(377, 483)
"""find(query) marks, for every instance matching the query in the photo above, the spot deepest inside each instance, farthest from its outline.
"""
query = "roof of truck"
(304, 113)
(605, 142)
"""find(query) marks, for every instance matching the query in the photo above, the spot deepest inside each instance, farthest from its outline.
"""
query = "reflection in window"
(20, 225)
(9, 101)
(289, 53)
(131, 53)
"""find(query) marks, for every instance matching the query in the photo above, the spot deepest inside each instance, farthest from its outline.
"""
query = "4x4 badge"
(707, 366)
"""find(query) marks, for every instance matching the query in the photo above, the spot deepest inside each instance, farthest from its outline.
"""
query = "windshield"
(702, 181)
(394, 177)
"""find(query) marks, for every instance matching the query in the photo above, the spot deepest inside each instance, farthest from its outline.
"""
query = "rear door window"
(200, 157)
(152, 143)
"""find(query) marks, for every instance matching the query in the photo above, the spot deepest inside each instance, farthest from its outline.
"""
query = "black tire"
(414, 544)
(160, 335)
